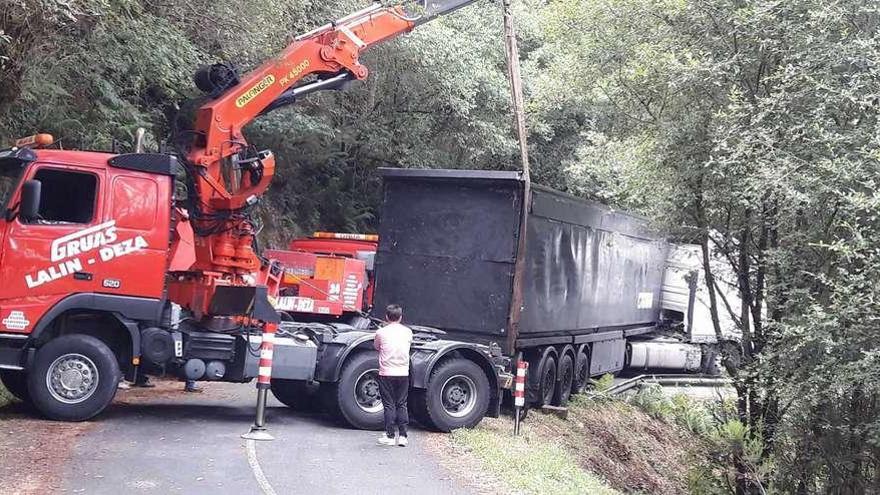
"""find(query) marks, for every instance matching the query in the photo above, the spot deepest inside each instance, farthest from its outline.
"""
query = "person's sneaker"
(386, 440)
(123, 385)
(143, 381)
(401, 441)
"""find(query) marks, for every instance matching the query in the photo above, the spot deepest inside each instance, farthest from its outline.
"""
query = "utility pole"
(516, 99)
(516, 94)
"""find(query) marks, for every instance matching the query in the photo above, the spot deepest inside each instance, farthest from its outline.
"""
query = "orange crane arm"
(331, 50)
(226, 175)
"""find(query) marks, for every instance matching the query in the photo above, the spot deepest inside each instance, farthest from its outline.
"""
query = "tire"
(418, 408)
(581, 373)
(354, 399)
(15, 383)
(547, 383)
(563, 386)
(457, 396)
(296, 394)
(92, 368)
(711, 364)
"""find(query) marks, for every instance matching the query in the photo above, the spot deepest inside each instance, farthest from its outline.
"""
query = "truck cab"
(84, 249)
(73, 224)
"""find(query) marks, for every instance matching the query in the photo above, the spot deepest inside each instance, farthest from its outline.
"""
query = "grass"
(528, 463)
(5, 396)
(645, 444)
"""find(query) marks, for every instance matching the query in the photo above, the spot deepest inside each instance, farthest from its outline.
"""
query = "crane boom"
(226, 175)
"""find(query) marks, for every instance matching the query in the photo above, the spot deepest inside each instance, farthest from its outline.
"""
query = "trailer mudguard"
(334, 353)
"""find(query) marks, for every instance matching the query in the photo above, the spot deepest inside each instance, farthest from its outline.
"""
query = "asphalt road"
(172, 442)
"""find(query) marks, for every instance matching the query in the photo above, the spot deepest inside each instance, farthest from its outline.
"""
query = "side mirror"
(29, 206)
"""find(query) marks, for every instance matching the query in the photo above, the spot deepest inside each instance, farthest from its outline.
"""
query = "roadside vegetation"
(5, 396)
(646, 444)
(528, 463)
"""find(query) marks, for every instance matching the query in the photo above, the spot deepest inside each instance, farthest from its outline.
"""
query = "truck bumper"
(12, 351)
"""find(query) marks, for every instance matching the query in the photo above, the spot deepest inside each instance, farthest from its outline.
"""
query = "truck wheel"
(295, 394)
(563, 386)
(16, 383)
(355, 398)
(581, 373)
(547, 385)
(73, 378)
(418, 408)
(457, 396)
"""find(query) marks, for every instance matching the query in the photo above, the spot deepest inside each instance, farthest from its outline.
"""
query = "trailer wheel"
(457, 396)
(581, 373)
(418, 408)
(711, 364)
(566, 378)
(73, 378)
(547, 385)
(296, 394)
(355, 397)
(16, 383)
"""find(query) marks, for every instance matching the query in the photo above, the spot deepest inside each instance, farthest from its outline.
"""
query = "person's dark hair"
(393, 312)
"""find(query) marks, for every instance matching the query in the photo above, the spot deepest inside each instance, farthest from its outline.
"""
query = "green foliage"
(5, 396)
(750, 128)
(603, 383)
(527, 464)
(735, 454)
(687, 413)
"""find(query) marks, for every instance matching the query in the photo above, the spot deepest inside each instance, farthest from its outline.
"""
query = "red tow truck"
(106, 274)
(328, 276)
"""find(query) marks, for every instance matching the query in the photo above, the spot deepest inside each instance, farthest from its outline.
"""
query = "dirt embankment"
(603, 447)
(629, 449)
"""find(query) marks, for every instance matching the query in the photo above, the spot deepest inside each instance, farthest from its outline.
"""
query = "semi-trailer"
(600, 291)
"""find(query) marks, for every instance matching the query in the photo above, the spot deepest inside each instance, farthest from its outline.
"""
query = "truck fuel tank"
(294, 358)
(670, 355)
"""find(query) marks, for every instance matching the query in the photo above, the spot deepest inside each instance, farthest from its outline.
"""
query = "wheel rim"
(567, 376)
(366, 391)
(459, 396)
(72, 378)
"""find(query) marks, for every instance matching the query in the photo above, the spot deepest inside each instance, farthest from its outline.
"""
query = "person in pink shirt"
(393, 342)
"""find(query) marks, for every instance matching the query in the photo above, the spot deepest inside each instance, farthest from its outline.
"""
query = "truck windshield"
(10, 173)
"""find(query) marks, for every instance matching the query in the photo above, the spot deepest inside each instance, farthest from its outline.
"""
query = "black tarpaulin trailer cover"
(447, 246)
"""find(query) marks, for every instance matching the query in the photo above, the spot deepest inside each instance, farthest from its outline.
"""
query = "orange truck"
(327, 277)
